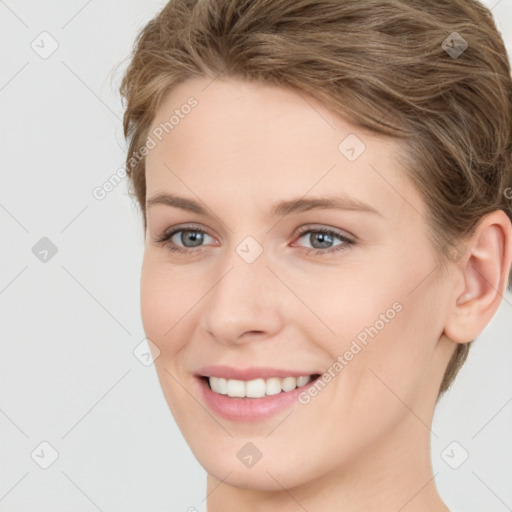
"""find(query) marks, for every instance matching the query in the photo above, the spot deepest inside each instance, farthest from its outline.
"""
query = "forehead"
(243, 139)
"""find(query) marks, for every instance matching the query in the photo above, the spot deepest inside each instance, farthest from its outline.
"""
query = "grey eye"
(189, 237)
(318, 239)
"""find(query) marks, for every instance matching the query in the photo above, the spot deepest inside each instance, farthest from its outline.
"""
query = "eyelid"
(168, 233)
(322, 227)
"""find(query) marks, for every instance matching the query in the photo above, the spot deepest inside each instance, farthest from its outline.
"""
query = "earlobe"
(485, 268)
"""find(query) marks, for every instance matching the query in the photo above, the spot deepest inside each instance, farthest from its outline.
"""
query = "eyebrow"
(339, 202)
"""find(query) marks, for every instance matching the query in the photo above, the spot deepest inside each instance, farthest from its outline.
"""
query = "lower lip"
(249, 409)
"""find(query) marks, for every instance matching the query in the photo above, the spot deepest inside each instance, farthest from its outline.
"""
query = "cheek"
(163, 300)
(152, 296)
(383, 322)
(356, 308)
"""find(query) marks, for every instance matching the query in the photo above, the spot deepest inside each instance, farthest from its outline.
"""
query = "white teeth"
(222, 386)
(303, 380)
(236, 388)
(289, 383)
(256, 388)
(273, 386)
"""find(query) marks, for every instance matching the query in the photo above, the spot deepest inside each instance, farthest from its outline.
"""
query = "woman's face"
(312, 257)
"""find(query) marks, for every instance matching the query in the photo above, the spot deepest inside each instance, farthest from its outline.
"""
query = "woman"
(326, 194)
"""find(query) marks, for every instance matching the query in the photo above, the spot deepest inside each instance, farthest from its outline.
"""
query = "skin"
(363, 443)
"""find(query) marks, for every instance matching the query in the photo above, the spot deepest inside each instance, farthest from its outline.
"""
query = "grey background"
(70, 325)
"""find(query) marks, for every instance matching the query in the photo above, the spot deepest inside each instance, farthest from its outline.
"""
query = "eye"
(322, 240)
(183, 239)
(190, 239)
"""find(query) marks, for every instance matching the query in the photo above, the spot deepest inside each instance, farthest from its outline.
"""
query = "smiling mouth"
(257, 388)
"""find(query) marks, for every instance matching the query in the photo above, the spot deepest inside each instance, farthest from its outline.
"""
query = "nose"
(245, 304)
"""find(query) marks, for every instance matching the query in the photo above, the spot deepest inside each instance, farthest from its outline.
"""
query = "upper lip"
(250, 373)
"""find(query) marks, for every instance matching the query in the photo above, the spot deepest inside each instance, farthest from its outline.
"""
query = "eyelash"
(166, 236)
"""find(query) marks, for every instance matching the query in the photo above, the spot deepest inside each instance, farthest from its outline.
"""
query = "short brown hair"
(398, 68)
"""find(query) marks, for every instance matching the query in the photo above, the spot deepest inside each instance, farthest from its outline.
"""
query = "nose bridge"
(245, 298)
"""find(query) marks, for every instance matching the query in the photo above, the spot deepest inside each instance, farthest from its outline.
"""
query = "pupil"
(324, 238)
(193, 236)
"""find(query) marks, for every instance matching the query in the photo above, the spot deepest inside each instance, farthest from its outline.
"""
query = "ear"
(483, 271)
